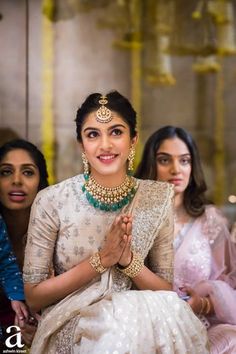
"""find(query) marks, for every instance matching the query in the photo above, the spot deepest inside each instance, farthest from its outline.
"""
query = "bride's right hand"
(114, 243)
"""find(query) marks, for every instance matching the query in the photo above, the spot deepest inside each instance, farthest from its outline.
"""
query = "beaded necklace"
(109, 199)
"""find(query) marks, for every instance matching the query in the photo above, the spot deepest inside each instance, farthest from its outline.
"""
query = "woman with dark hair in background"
(97, 229)
(23, 173)
(205, 256)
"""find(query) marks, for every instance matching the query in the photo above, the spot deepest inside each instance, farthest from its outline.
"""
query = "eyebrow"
(110, 128)
(22, 165)
(166, 154)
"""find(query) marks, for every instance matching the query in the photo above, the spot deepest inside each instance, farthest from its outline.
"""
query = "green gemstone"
(96, 204)
(106, 207)
(89, 197)
(114, 207)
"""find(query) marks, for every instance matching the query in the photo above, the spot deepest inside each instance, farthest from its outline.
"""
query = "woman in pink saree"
(205, 254)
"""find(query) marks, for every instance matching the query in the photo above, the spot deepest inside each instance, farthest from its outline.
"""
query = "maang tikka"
(86, 165)
(131, 159)
(103, 114)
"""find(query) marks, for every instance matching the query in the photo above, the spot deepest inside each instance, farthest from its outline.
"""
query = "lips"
(107, 158)
(17, 196)
(175, 181)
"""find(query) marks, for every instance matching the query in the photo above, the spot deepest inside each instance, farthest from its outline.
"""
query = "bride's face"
(107, 146)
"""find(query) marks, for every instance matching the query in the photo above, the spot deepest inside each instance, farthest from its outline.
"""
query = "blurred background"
(174, 59)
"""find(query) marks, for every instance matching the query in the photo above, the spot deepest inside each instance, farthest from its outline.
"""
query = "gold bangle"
(95, 262)
(134, 267)
(208, 306)
(202, 305)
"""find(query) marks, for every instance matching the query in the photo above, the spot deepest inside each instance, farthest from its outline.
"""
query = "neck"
(179, 202)
(109, 181)
(181, 214)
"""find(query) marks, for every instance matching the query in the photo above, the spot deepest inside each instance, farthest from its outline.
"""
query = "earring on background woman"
(131, 160)
(86, 166)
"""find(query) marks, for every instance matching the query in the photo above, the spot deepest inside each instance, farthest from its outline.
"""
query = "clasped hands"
(28, 326)
(117, 247)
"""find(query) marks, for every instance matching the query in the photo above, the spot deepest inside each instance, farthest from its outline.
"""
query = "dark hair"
(194, 195)
(35, 154)
(116, 103)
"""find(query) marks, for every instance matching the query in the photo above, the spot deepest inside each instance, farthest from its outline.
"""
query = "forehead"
(17, 157)
(173, 146)
(91, 121)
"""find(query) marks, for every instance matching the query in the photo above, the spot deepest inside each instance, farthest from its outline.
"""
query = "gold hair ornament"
(103, 114)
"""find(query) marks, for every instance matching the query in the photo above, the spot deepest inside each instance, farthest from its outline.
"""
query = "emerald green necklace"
(109, 199)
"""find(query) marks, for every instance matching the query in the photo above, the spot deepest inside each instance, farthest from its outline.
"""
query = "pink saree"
(205, 259)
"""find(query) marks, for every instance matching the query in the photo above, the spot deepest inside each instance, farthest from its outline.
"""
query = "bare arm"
(147, 280)
(56, 288)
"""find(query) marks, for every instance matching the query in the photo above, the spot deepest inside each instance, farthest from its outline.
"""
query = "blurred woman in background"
(205, 256)
(23, 173)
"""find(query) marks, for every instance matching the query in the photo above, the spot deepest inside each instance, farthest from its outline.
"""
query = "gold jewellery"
(131, 159)
(132, 270)
(85, 164)
(103, 114)
(130, 162)
(205, 306)
(134, 267)
(109, 199)
(95, 262)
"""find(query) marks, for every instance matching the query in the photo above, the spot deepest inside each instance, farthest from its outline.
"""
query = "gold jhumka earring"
(85, 165)
(131, 159)
(103, 114)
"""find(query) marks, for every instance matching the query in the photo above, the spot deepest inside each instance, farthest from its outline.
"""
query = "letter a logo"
(15, 339)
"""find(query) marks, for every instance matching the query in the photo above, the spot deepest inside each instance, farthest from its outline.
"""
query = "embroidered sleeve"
(42, 233)
(160, 258)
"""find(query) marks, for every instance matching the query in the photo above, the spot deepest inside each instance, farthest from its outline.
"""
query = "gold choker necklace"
(109, 199)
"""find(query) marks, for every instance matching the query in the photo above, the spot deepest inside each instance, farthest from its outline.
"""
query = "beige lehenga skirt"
(127, 322)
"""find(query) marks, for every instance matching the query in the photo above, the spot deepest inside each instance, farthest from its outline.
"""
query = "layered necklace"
(109, 199)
